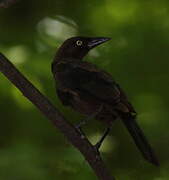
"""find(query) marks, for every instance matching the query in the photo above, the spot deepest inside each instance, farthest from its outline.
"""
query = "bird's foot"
(84, 121)
(99, 143)
(97, 146)
(96, 149)
(79, 129)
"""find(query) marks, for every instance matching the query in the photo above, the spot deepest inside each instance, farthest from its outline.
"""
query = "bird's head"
(78, 47)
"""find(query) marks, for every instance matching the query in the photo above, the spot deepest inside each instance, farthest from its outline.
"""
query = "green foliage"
(137, 57)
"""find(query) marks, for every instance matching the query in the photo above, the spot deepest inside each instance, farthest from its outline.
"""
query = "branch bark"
(46, 108)
(7, 3)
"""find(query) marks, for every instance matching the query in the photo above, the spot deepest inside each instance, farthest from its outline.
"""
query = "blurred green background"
(137, 57)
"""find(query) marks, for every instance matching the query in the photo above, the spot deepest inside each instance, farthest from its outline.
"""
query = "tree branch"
(7, 3)
(46, 107)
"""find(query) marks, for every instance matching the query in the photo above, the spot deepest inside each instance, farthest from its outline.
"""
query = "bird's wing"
(66, 95)
(89, 79)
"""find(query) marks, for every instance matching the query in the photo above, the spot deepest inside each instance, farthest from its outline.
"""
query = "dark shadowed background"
(137, 57)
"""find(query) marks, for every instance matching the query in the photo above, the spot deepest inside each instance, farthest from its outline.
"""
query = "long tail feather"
(140, 139)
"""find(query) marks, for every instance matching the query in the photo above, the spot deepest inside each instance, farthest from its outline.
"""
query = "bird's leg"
(99, 143)
(84, 121)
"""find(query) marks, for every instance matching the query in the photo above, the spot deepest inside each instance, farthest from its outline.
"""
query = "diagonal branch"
(46, 108)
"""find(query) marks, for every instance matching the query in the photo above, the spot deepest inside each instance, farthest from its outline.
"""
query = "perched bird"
(93, 92)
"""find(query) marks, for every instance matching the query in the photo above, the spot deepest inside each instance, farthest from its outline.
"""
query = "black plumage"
(87, 89)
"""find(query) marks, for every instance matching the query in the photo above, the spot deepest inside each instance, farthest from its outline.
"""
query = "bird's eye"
(79, 43)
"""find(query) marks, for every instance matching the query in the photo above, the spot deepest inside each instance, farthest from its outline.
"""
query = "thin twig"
(46, 107)
(7, 3)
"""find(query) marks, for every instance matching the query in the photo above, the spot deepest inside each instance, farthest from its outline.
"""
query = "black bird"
(93, 92)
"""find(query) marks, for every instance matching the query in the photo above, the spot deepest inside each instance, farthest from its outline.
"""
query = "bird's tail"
(139, 139)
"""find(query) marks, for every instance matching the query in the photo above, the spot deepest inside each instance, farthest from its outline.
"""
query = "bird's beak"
(93, 42)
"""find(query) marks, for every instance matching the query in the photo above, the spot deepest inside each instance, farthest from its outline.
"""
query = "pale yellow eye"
(79, 43)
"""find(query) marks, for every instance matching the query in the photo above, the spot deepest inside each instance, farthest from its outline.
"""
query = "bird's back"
(88, 85)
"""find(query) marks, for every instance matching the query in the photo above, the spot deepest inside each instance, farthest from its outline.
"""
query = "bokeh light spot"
(55, 29)
(18, 54)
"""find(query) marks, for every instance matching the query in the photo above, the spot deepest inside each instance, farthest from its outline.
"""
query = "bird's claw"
(79, 129)
(97, 147)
